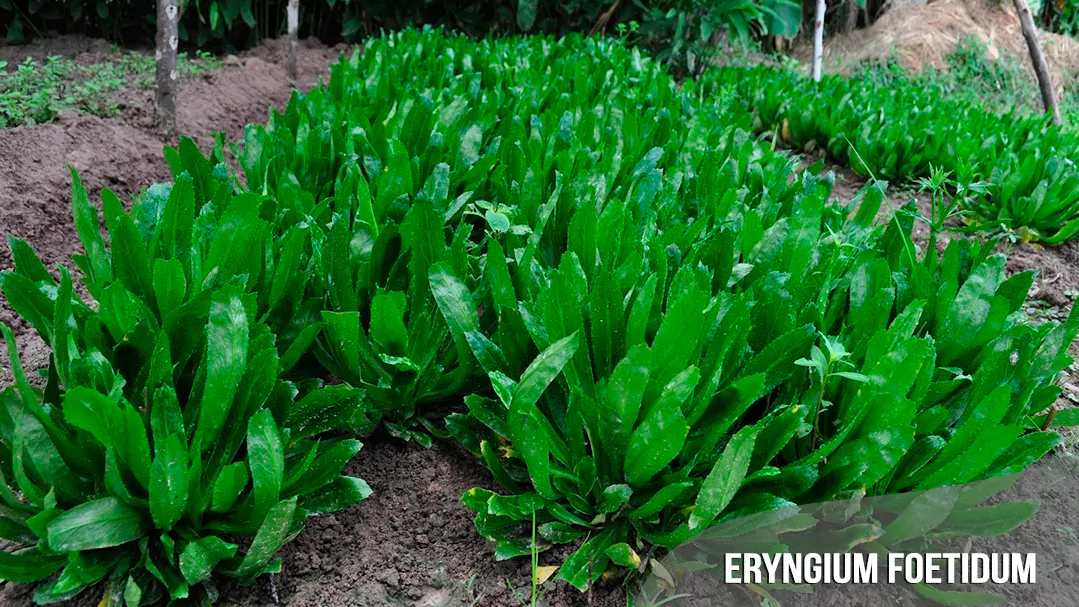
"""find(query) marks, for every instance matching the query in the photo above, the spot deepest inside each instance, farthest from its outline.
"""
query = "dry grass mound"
(923, 36)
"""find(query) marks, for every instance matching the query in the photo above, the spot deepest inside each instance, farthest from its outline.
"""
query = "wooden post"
(293, 26)
(168, 18)
(1041, 68)
(818, 40)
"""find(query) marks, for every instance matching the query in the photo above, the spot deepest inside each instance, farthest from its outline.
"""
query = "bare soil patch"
(86, 49)
(411, 543)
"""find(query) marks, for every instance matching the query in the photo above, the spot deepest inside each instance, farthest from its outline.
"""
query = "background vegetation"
(675, 26)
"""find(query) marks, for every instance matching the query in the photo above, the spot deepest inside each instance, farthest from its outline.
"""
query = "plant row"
(899, 129)
(642, 321)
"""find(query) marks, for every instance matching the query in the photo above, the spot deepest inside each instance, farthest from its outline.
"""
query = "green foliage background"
(225, 24)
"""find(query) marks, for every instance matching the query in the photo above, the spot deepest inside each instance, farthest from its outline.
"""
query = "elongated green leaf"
(725, 478)
(130, 263)
(226, 357)
(228, 486)
(97, 524)
(956, 597)
(266, 457)
(543, 371)
(343, 492)
(662, 434)
(272, 534)
(168, 483)
(26, 567)
(921, 516)
(198, 559)
(88, 226)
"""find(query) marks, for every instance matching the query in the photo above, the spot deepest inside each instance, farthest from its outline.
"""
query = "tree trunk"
(293, 27)
(818, 39)
(850, 21)
(168, 18)
(1041, 68)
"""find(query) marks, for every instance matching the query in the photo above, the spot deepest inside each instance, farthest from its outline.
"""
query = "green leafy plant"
(645, 279)
(408, 184)
(152, 494)
(915, 522)
(657, 322)
(631, 435)
(383, 330)
(687, 34)
(684, 32)
(887, 124)
(1061, 17)
(166, 432)
(166, 257)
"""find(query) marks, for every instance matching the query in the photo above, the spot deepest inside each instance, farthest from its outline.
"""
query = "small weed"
(470, 588)
(1067, 532)
(533, 600)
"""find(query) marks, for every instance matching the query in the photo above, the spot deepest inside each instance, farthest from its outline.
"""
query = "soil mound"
(921, 36)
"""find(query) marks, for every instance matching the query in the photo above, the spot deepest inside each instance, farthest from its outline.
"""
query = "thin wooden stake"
(818, 40)
(168, 18)
(293, 27)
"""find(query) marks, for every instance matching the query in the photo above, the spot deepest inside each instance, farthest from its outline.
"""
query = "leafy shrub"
(134, 492)
(165, 431)
(241, 22)
(680, 404)
(683, 32)
(1062, 17)
(899, 129)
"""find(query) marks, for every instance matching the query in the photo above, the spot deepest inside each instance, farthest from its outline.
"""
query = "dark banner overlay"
(1006, 540)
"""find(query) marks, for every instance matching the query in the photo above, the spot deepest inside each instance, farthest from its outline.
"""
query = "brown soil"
(411, 543)
(78, 47)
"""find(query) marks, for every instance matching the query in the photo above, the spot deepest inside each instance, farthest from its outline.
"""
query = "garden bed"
(411, 542)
